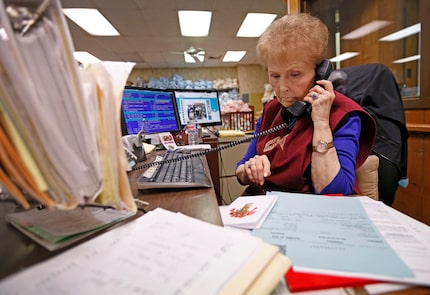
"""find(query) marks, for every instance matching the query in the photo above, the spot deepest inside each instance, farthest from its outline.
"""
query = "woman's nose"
(283, 85)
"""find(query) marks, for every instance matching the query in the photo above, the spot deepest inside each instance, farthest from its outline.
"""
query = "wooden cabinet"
(414, 200)
(229, 186)
(212, 159)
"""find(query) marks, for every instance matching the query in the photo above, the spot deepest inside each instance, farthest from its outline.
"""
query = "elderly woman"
(319, 151)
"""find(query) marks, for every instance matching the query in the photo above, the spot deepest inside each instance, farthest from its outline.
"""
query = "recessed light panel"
(344, 56)
(367, 29)
(91, 20)
(403, 33)
(194, 23)
(255, 24)
(233, 56)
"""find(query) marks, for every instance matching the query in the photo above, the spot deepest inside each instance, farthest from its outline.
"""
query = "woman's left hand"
(321, 96)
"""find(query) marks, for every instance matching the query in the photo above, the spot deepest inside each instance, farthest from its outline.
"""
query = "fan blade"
(196, 58)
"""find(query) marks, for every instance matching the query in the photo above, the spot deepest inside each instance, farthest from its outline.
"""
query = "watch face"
(321, 147)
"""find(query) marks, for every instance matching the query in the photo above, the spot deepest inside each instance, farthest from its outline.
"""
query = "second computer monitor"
(199, 105)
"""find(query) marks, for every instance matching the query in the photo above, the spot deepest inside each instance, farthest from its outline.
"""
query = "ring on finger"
(315, 96)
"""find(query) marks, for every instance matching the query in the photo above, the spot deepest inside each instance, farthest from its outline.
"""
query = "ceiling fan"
(195, 53)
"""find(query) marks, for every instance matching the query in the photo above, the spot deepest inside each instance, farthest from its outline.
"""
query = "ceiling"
(150, 33)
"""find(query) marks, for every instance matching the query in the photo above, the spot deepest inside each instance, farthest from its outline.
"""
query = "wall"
(193, 74)
(371, 50)
(251, 78)
(354, 14)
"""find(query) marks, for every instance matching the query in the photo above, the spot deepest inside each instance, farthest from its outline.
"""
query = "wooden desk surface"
(18, 251)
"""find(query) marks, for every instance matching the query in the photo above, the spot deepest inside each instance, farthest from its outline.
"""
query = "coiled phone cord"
(218, 148)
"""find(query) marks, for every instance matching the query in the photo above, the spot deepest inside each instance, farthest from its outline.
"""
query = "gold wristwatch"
(322, 146)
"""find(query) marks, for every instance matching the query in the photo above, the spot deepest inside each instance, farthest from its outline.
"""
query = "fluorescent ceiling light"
(191, 58)
(402, 33)
(255, 24)
(233, 56)
(194, 23)
(91, 20)
(407, 59)
(85, 58)
(367, 29)
(344, 56)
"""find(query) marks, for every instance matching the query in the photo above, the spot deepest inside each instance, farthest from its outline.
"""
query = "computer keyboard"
(187, 172)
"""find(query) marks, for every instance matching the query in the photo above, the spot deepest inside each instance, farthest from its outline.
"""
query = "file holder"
(63, 134)
(22, 22)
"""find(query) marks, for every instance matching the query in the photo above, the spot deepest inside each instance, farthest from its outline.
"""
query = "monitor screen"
(200, 105)
(156, 107)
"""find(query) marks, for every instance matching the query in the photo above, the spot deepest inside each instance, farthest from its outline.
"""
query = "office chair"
(367, 177)
(374, 87)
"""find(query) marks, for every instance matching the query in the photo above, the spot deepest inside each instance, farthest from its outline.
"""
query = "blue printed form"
(330, 233)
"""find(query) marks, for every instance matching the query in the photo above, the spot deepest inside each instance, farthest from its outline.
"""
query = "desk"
(17, 251)
(212, 159)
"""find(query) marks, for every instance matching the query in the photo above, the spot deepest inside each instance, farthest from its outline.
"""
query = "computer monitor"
(200, 105)
(155, 107)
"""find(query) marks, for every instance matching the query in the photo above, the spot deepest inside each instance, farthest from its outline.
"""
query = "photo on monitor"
(199, 105)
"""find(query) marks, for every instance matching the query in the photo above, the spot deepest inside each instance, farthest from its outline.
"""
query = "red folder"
(301, 281)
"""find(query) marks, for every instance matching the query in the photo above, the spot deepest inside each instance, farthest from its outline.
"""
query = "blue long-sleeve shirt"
(346, 140)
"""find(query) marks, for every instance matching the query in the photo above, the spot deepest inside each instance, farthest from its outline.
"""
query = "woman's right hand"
(256, 169)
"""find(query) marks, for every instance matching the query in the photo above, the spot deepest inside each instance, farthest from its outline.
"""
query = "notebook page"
(158, 253)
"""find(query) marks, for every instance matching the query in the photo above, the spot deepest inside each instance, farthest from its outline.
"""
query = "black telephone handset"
(300, 108)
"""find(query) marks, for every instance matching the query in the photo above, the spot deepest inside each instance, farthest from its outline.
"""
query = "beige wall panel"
(251, 78)
(193, 74)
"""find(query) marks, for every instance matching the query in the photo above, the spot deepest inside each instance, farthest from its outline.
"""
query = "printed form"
(407, 236)
(334, 235)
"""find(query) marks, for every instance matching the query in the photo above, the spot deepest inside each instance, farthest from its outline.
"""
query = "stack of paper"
(59, 124)
(248, 212)
(159, 253)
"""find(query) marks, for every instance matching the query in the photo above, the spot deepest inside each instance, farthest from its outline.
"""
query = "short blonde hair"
(293, 34)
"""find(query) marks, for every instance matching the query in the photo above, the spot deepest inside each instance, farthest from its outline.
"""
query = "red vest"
(290, 151)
